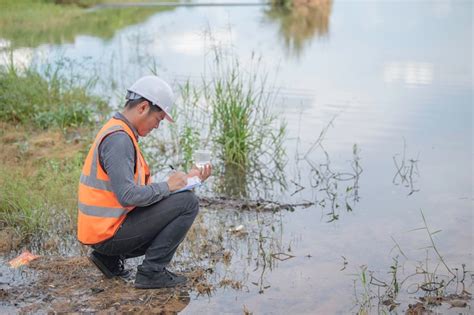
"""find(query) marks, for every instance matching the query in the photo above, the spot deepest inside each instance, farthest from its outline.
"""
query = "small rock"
(97, 290)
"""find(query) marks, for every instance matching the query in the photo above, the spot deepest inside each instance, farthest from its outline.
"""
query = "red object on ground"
(23, 259)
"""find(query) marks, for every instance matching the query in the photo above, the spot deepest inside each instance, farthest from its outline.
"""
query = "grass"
(244, 129)
(192, 133)
(233, 105)
(40, 108)
(39, 177)
(90, 3)
(228, 113)
(175, 143)
(46, 99)
(35, 203)
(79, 3)
(247, 136)
(30, 23)
(46, 120)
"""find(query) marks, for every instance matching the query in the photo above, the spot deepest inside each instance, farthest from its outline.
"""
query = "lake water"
(393, 77)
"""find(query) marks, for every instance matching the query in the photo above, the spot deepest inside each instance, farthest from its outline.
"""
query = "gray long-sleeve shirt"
(117, 157)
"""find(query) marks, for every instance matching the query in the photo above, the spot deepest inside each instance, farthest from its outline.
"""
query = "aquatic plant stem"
(434, 246)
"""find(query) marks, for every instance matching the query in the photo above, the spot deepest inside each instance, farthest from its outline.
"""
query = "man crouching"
(122, 214)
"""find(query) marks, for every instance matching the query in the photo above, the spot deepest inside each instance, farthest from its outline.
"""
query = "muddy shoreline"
(57, 284)
(75, 285)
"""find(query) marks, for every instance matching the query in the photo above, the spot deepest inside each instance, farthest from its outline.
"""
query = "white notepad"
(193, 182)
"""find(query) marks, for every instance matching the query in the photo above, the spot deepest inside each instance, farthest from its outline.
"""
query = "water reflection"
(333, 189)
(233, 182)
(45, 27)
(259, 181)
(409, 73)
(301, 23)
(236, 248)
(406, 171)
(326, 180)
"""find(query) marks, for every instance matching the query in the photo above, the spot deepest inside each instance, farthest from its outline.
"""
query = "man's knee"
(191, 201)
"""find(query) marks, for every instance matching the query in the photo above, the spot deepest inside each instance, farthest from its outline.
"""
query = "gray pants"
(154, 231)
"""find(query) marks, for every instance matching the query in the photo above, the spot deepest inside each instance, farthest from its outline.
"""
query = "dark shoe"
(158, 279)
(110, 266)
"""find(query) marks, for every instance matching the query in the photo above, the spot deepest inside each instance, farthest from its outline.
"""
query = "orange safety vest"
(100, 213)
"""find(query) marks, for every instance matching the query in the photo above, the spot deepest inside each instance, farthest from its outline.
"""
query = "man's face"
(149, 120)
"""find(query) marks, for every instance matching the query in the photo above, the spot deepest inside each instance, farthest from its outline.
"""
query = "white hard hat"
(156, 91)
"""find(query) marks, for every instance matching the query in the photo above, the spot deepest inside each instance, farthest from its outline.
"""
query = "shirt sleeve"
(117, 157)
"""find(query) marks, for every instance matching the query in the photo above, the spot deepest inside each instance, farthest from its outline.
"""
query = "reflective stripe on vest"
(95, 183)
(100, 213)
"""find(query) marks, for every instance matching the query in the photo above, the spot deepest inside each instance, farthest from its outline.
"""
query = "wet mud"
(66, 285)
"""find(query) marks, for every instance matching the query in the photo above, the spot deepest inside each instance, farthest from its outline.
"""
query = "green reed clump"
(229, 113)
(233, 107)
(191, 134)
(46, 99)
(243, 128)
(37, 203)
(189, 142)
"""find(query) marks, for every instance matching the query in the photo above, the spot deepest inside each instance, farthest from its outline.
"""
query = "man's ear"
(142, 107)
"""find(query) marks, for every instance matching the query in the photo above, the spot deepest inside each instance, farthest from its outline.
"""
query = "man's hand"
(203, 173)
(177, 180)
